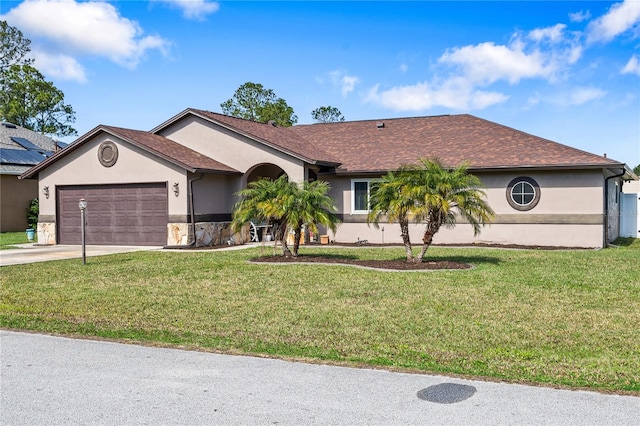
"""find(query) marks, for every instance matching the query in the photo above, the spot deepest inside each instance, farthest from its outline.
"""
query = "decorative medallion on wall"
(108, 153)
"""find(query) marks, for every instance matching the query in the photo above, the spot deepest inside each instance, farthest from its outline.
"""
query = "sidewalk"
(30, 253)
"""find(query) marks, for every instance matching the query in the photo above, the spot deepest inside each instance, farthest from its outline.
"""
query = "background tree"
(32, 102)
(327, 114)
(27, 99)
(14, 47)
(252, 101)
(636, 170)
(440, 193)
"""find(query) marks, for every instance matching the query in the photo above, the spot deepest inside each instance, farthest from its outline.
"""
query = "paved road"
(59, 381)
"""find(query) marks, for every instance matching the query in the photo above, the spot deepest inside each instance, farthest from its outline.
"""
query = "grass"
(8, 240)
(558, 318)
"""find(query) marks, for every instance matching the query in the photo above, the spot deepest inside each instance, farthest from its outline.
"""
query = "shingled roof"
(280, 138)
(381, 145)
(172, 151)
(160, 146)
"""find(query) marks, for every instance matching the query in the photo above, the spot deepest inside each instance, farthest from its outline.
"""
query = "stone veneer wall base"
(207, 234)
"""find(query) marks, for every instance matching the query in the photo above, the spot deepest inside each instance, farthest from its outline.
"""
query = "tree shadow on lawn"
(392, 263)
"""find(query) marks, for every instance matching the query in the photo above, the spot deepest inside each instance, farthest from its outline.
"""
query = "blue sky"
(568, 71)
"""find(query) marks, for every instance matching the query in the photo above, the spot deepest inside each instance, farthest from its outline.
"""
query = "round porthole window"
(108, 153)
(523, 193)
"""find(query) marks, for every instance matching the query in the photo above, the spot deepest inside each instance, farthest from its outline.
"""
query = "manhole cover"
(446, 393)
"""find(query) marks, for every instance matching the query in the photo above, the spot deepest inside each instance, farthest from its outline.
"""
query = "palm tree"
(310, 206)
(284, 205)
(391, 197)
(440, 193)
(265, 200)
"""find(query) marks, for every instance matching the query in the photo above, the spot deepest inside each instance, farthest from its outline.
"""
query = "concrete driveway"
(30, 253)
(60, 381)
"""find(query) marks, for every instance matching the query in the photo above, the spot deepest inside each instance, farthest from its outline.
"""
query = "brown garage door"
(134, 214)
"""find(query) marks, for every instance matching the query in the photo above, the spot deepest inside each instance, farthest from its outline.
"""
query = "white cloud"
(575, 97)
(583, 95)
(404, 67)
(620, 18)
(193, 9)
(59, 66)
(83, 28)
(487, 63)
(454, 94)
(544, 53)
(632, 67)
(346, 83)
(579, 16)
(553, 34)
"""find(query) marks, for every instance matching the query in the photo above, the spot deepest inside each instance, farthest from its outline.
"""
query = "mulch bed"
(395, 264)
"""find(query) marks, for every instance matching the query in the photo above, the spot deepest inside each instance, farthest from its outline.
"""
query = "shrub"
(32, 213)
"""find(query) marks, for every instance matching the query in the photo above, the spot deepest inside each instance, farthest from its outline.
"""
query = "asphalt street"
(48, 380)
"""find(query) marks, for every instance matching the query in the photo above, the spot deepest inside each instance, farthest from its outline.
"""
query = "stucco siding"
(230, 148)
(586, 236)
(134, 165)
(569, 213)
(213, 194)
(15, 199)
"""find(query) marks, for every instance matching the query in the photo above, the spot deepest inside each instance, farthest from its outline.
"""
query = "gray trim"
(46, 218)
(547, 219)
(178, 218)
(185, 218)
(511, 219)
(352, 218)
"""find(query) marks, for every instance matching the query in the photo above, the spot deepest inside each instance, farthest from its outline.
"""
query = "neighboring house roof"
(160, 146)
(21, 148)
(280, 138)
(381, 145)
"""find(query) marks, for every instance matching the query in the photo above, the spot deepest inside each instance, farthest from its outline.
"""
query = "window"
(360, 196)
(523, 193)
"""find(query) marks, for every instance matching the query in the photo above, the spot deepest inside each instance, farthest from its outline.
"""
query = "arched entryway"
(260, 171)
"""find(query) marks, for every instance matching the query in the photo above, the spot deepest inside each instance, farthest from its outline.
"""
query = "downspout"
(191, 213)
(606, 207)
(192, 209)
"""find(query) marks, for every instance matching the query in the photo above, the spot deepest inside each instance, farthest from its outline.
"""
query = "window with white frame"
(523, 193)
(360, 195)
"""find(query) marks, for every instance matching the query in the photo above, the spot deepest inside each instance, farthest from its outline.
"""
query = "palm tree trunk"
(296, 239)
(427, 239)
(404, 232)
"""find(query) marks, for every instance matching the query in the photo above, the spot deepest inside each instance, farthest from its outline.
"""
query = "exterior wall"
(15, 199)
(82, 167)
(569, 213)
(213, 194)
(232, 149)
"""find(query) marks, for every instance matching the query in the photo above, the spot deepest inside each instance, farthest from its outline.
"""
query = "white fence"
(630, 215)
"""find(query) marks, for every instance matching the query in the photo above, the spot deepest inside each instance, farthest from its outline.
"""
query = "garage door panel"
(134, 214)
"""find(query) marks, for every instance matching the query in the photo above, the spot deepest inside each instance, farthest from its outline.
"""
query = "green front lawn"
(8, 240)
(566, 318)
